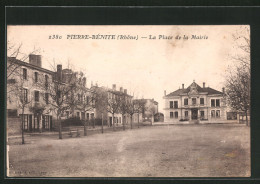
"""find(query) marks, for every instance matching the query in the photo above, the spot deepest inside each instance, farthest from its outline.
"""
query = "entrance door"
(194, 114)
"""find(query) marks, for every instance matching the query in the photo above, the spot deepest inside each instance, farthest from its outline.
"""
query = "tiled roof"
(22, 63)
(208, 90)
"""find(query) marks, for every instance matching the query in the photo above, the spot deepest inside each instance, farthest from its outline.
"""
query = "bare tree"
(238, 76)
(140, 108)
(87, 98)
(113, 105)
(61, 93)
(131, 110)
(124, 105)
(19, 90)
(13, 53)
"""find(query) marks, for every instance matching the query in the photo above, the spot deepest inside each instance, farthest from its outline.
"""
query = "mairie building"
(195, 104)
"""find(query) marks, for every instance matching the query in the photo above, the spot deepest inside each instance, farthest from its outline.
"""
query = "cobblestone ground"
(219, 150)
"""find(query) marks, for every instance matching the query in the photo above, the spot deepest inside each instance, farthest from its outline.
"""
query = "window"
(92, 115)
(47, 98)
(175, 104)
(87, 116)
(212, 102)
(88, 100)
(171, 114)
(67, 114)
(217, 113)
(186, 113)
(36, 96)
(213, 113)
(24, 73)
(46, 81)
(186, 101)
(176, 114)
(202, 114)
(193, 101)
(171, 104)
(202, 101)
(25, 95)
(217, 103)
(35, 76)
(77, 114)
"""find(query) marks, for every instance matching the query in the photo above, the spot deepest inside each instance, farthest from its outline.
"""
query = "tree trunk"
(102, 130)
(246, 119)
(123, 123)
(23, 126)
(93, 123)
(138, 120)
(85, 128)
(131, 121)
(113, 123)
(60, 127)
(152, 119)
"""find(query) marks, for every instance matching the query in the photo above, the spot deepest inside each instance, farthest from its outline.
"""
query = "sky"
(145, 67)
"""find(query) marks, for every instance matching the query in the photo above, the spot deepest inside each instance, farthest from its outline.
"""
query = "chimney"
(91, 83)
(164, 92)
(114, 87)
(223, 90)
(203, 84)
(59, 72)
(182, 86)
(121, 89)
(125, 91)
(35, 60)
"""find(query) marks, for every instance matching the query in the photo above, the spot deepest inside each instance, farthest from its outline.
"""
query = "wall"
(13, 126)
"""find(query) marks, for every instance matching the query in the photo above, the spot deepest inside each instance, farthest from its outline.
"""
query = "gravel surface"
(219, 150)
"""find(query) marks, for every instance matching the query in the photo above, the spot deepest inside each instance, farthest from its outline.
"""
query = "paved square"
(219, 150)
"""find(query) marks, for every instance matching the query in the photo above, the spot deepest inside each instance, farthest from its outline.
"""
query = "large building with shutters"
(195, 104)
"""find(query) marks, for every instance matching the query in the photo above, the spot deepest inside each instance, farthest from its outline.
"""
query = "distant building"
(195, 104)
(148, 111)
(108, 102)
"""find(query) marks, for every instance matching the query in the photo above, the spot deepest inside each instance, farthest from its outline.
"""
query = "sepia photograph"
(128, 101)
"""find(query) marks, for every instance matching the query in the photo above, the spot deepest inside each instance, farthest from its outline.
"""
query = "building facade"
(33, 94)
(26, 84)
(111, 104)
(195, 104)
(147, 109)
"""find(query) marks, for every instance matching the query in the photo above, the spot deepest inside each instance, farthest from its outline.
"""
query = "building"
(33, 92)
(147, 109)
(111, 104)
(195, 104)
(26, 87)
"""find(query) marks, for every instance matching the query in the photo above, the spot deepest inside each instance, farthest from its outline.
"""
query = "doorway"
(194, 113)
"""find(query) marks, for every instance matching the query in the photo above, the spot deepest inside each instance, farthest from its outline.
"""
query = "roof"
(208, 90)
(118, 93)
(19, 62)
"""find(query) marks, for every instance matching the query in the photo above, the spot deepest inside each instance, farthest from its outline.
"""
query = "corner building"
(195, 104)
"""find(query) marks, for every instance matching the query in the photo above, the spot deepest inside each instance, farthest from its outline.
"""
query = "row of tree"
(66, 92)
(238, 76)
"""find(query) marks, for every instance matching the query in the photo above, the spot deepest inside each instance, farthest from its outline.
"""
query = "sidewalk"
(66, 130)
